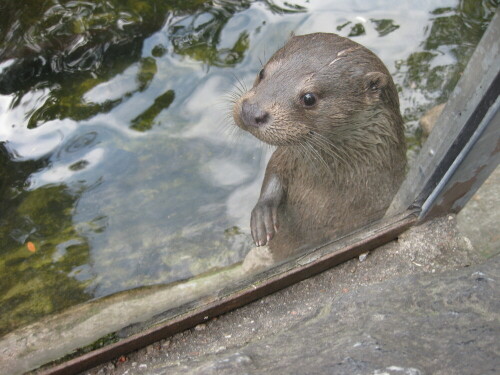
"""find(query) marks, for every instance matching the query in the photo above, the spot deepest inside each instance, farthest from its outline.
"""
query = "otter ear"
(374, 83)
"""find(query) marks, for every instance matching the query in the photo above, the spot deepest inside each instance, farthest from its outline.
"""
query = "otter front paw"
(264, 222)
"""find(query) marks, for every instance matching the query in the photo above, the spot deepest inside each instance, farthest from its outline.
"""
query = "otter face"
(315, 84)
(277, 108)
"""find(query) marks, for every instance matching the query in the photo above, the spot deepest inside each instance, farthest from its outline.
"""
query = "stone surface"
(480, 218)
(427, 324)
(444, 323)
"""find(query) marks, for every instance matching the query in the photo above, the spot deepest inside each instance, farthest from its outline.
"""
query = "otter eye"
(261, 75)
(309, 99)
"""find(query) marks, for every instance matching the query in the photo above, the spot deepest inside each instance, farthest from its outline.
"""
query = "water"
(118, 166)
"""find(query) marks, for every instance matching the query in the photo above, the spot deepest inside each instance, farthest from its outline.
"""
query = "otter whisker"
(305, 153)
(236, 92)
(226, 125)
(316, 162)
(242, 88)
(328, 147)
(316, 155)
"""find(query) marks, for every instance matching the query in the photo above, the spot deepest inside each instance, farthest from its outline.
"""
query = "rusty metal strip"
(374, 236)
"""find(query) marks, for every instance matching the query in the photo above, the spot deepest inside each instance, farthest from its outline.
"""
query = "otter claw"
(263, 223)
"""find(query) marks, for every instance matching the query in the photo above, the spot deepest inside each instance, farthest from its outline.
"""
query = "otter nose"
(253, 115)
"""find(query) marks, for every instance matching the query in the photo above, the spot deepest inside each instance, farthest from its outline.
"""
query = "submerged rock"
(428, 120)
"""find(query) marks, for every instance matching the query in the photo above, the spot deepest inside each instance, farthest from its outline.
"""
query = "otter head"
(316, 84)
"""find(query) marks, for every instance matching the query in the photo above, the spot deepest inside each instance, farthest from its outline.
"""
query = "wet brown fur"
(338, 163)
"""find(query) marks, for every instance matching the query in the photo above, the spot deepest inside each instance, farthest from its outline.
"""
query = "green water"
(117, 159)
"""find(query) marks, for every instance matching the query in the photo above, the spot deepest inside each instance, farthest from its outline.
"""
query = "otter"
(330, 107)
